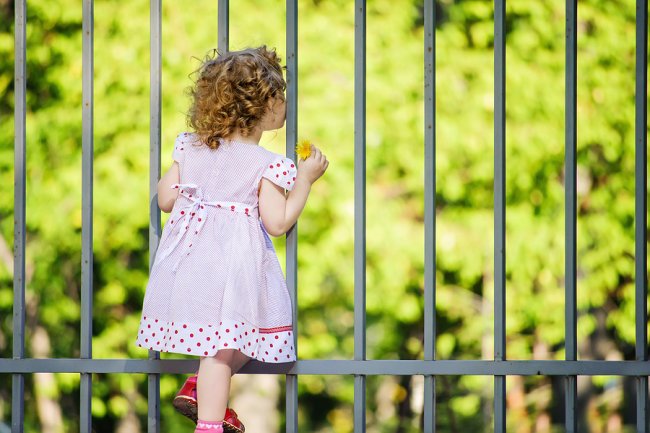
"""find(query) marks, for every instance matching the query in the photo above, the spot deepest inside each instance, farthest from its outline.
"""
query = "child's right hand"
(312, 168)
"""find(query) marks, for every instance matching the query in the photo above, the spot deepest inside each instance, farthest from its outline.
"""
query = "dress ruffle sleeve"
(282, 172)
(180, 144)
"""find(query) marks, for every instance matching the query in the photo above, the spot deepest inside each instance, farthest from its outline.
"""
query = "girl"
(216, 289)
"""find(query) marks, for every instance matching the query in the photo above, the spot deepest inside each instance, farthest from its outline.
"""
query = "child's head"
(233, 93)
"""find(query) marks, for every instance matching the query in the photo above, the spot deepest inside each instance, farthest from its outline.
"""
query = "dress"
(216, 282)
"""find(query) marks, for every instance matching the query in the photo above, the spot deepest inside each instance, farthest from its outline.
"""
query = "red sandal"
(185, 403)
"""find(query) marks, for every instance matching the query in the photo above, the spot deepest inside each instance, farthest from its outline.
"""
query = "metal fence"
(360, 368)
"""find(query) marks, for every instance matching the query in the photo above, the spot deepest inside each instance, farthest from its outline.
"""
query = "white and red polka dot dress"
(216, 282)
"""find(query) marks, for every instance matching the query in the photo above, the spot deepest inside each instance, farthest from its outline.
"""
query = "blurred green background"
(395, 205)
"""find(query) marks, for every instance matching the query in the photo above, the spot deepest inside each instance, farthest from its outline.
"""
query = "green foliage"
(395, 190)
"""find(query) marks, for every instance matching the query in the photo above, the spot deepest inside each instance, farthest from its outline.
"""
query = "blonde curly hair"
(232, 92)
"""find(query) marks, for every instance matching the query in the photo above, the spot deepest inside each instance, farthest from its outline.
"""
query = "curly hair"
(232, 92)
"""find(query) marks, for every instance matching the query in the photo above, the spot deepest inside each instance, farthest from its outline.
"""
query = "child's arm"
(167, 195)
(279, 212)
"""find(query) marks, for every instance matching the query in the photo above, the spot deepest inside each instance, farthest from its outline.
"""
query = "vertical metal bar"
(223, 27)
(291, 381)
(85, 424)
(570, 290)
(499, 210)
(20, 107)
(155, 67)
(429, 409)
(641, 208)
(359, 210)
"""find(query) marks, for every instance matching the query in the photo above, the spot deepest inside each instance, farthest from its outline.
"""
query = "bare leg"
(212, 388)
(213, 383)
(238, 361)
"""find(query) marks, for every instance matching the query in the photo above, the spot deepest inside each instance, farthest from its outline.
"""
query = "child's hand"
(312, 168)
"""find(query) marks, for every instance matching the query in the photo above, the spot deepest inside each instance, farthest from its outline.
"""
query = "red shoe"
(185, 403)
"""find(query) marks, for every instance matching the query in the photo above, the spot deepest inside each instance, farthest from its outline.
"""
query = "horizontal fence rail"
(340, 367)
(360, 368)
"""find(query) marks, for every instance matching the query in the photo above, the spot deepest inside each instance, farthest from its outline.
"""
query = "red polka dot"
(148, 326)
(276, 358)
(284, 173)
(146, 340)
(156, 320)
(276, 337)
(252, 353)
(236, 326)
(225, 344)
(205, 353)
(200, 329)
(292, 166)
(280, 350)
(227, 330)
(277, 165)
(198, 344)
(189, 350)
(182, 340)
(176, 331)
(184, 326)
(271, 345)
(191, 335)
(263, 339)
(173, 346)
(141, 332)
(271, 166)
(235, 339)
(153, 334)
(208, 338)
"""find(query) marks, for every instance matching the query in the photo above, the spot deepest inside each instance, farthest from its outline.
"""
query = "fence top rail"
(339, 367)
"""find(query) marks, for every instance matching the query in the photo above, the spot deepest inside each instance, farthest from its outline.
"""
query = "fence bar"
(223, 26)
(20, 151)
(291, 380)
(338, 367)
(85, 423)
(429, 409)
(641, 208)
(570, 289)
(499, 211)
(155, 70)
(360, 211)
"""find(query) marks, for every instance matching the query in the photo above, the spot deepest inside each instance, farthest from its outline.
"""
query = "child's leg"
(213, 386)
(238, 361)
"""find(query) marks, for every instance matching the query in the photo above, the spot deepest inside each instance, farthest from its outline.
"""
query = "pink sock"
(209, 427)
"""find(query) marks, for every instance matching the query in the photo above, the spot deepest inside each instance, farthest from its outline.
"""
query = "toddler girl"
(216, 289)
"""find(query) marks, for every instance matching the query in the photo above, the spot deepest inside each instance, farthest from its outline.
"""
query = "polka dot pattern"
(272, 345)
(282, 172)
(216, 282)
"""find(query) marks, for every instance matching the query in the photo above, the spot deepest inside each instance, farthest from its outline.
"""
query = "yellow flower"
(303, 149)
